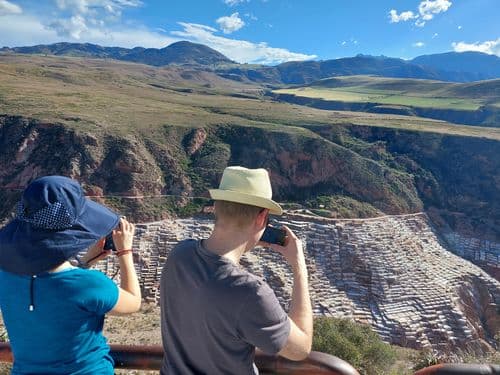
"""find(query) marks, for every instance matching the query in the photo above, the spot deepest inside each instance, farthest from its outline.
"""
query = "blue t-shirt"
(63, 333)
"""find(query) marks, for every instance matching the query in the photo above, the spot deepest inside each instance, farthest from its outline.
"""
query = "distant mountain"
(294, 72)
(72, 49)
(304, 72)
(451, 66)
(179, 53)
(473, 66)
(454, 67)
(176, 53)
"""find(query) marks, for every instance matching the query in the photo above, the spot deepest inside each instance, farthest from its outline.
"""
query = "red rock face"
(303, 165)
(196, 142)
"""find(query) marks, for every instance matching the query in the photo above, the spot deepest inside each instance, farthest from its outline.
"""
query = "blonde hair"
(241, 215)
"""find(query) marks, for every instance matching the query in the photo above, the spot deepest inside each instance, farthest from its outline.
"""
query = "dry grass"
(96, 95)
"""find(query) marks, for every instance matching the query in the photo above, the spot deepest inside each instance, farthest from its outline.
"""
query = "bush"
(355, 343)
(424, 359)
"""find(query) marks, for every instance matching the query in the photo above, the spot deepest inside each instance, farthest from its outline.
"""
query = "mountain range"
(451, 66)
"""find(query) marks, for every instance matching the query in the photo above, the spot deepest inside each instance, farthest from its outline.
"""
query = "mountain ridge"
(449, 66)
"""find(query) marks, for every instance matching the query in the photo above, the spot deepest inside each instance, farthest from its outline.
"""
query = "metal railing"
(150, 358)
(460, 369)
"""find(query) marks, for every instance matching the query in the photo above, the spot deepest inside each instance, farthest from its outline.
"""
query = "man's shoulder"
(183, 247)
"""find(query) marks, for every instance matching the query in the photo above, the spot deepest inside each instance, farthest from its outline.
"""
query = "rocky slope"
(188, 161)
(395, 171)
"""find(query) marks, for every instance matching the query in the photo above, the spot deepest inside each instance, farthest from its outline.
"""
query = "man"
(213, 312)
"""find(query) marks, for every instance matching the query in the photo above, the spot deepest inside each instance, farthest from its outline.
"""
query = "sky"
(261, 31)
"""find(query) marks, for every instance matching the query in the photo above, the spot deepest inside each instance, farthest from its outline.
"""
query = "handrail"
(460, 369)
(150, 358)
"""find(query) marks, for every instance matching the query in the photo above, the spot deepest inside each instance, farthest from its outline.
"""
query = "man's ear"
(261, 219)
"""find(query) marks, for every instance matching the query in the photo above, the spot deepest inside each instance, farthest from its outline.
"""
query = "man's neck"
(229, 244)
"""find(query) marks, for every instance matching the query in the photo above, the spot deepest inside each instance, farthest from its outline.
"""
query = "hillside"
(482, 65)
(175, 53)
(131, 129)
(475, 103)
(452, 66)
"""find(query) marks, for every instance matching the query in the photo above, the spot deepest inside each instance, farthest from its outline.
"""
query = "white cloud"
(435, 35)
(82, 13)
(459, 27)
(429, 8)
(6, 7)
(72, 27)
(343, 43)
(230, 24)
(420, 23)
(89, 6)
(491, 47)
(238, 50)
(233, 3)
(251, 16)
(404, 16)
(25, 30)
(418, 44)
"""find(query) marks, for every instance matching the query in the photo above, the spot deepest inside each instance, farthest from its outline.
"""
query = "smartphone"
(108, 243)
(274, 235)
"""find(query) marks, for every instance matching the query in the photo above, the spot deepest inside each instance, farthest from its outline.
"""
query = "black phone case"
(108, 243)
(274, 235)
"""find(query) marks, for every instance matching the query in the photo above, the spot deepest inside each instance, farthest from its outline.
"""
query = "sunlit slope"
(408, 92)
(120, 97)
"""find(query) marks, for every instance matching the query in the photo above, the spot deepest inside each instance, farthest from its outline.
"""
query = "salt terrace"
(393, 273)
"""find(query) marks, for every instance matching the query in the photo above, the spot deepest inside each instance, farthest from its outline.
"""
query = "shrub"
(424, 359)
(355, 343)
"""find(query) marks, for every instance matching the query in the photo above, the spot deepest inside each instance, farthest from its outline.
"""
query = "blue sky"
(261, 31)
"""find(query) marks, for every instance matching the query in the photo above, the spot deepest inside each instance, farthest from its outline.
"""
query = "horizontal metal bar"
(150, 358)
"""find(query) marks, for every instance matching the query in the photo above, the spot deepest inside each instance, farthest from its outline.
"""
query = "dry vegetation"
(93, 94)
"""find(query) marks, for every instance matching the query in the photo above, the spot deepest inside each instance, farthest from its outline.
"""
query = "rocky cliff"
(456, 179)
(188, 161)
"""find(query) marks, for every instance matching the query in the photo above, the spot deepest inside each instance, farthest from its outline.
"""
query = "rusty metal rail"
(460, 369)
(150, 358)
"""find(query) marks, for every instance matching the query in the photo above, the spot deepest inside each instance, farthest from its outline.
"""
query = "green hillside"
(421, 96)
(411, 92)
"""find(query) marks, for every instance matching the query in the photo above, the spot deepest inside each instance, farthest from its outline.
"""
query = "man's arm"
(298, 345)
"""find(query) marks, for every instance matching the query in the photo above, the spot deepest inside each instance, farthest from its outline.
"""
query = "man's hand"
(298, 345)
(291, 250)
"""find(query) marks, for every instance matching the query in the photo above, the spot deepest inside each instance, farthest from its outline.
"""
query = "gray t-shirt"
(214, 314)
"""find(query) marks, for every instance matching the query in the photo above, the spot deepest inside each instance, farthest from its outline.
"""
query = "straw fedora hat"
(246, 186)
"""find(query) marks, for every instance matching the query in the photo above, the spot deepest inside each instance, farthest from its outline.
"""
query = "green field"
(363, 95)
(402, 92)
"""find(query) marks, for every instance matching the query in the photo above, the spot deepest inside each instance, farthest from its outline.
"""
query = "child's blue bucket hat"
(54, 222)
